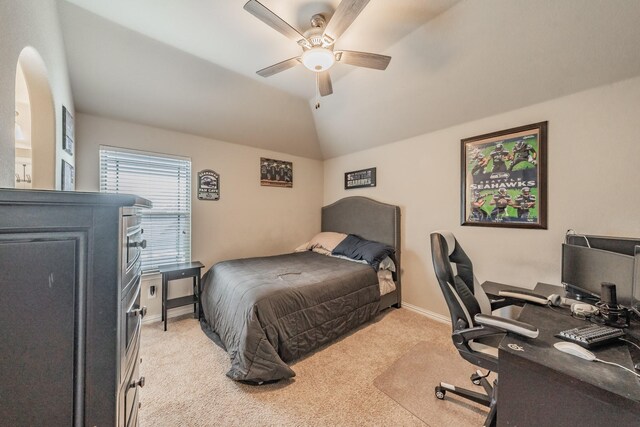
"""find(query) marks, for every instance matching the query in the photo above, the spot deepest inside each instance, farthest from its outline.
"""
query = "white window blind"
(164, 180)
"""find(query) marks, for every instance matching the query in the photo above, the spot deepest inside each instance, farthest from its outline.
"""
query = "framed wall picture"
(504, 178)
(68, 132)
(276, 173)
(68, 177)
(359, 179)
(208, 185)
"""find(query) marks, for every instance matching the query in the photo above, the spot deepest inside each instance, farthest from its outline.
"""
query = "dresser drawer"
(133, 243)
(130, 322)
(130, 393)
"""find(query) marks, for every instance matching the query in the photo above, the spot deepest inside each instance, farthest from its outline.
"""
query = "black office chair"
(476, 333)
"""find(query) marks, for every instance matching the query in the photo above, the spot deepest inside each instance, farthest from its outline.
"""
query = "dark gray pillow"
(357, 248)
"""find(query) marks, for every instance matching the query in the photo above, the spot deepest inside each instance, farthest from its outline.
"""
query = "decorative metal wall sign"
(360, 179)
(68, 132)
(68, 177)
(208, 185)
(276, 173)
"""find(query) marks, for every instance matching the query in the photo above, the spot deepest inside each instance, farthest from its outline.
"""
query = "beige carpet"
(410, 381)
(186, 383)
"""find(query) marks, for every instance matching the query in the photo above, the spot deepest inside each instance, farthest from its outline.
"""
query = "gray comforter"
(272, 310)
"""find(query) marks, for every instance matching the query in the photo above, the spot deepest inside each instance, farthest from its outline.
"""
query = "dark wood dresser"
(70, 310)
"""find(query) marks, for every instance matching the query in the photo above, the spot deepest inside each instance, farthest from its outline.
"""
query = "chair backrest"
(454, 271)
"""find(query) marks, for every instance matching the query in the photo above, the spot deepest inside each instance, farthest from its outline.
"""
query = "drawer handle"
(142, 244)
(139, 383)
(142, 311)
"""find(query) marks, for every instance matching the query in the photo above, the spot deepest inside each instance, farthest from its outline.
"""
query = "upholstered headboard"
(367, 218)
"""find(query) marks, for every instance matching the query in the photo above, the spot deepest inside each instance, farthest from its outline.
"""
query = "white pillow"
(323, 243)
(385, 281)
(387, 264)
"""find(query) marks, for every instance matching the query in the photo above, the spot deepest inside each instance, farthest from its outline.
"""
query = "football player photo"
(523, 152)
(480, 163)
(499, 157)
(477, 202)
(524, 202)
(500, 200)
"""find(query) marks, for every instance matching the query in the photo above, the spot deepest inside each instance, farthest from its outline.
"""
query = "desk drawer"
(181, 274)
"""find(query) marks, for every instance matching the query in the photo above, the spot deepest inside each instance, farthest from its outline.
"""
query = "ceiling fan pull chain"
(317, 90)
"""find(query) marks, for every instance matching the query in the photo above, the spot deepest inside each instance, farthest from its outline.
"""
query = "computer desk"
(540, 386)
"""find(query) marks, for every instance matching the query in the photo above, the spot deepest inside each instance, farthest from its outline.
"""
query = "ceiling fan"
(318, 43)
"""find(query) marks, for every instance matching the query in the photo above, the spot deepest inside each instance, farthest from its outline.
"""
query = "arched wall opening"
(23, 170)
(40, 110)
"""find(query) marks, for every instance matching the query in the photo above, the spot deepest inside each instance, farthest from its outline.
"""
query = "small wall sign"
(208, 185)
(68, 131)
(68, 177)
(359, 179)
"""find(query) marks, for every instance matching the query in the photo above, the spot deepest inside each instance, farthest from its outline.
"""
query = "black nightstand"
(180, 271)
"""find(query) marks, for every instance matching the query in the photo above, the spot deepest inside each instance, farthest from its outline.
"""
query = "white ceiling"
(223, 33)
(190, 66)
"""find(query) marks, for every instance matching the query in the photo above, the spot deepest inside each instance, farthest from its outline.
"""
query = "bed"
(269, 311)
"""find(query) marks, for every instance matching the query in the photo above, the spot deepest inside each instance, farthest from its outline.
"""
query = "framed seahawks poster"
(504, 178)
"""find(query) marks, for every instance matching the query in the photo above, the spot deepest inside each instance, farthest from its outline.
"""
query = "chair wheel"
(440, 392)
(475, 379)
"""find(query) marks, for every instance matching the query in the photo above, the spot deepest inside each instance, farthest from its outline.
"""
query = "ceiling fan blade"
(363, 59)
(280, 66)
(324, 83)
(261, 12)
(345, 14)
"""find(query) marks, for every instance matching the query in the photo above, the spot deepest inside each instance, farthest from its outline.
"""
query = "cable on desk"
(558, 311)
(630, 342)
(615, 364)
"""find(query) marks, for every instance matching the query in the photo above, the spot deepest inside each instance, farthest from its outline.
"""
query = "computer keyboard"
(591, 335)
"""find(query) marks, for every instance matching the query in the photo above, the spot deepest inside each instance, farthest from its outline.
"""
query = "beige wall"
(594, 149)
(248, 220)
(32, 23)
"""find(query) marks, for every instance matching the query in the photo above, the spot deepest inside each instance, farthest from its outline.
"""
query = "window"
(166, 181)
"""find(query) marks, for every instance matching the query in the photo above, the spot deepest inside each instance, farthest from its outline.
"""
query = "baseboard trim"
(175, 312)
(430, 314)
(189, 309)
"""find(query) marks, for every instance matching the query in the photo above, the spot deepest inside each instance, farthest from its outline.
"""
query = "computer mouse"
(575, 349)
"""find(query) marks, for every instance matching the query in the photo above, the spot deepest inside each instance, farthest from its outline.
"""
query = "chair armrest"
(507, 325)
(500, 302)
(526, 296)
(494, 290)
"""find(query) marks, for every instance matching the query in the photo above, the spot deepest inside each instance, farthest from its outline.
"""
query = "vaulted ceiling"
(190, 66)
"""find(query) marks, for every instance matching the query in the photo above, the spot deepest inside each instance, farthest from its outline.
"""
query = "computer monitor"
(588, 261)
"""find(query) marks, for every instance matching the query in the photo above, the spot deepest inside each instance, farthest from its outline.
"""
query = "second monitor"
(588, 261)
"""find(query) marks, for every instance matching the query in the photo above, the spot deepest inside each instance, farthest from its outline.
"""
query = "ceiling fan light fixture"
(318, 59)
